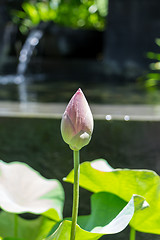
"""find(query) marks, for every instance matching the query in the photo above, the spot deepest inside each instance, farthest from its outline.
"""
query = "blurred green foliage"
(72, 13)
(152, 79)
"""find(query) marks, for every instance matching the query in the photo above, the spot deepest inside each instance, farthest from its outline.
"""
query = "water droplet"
(34, 41)
(22, 58)
(126, 118)
(23, 52)
(108, 117)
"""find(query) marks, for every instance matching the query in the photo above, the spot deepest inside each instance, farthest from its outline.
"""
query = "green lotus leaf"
(64, 229)
(98, 176)
(110, 211)
(36, 229)
(110, 215)
(11, 239)
(23, 189)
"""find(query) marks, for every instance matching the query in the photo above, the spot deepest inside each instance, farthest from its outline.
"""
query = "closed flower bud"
(77, 122)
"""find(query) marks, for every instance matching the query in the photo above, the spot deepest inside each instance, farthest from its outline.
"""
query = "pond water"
(48, 88)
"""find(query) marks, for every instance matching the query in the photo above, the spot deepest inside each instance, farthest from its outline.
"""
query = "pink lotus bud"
(77, 122)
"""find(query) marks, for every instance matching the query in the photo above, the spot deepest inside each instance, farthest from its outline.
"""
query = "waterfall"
(24, 59)
(27, 50)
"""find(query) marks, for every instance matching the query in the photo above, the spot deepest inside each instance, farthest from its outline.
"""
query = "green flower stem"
(132, 234)
(75, 194)
(15, 225)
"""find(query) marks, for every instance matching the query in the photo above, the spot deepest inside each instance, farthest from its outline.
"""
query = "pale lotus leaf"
(23, 189)
(110, 215)
(96, 176)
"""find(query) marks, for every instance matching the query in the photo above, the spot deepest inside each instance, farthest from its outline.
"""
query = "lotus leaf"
(98, 176)
(23, 189)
